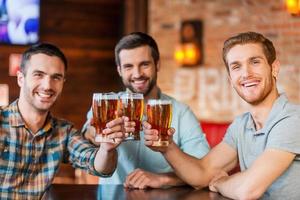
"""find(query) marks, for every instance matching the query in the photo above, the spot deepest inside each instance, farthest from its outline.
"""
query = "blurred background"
(190, 35)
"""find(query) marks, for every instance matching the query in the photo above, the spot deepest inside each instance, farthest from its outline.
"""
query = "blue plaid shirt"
(28, 162)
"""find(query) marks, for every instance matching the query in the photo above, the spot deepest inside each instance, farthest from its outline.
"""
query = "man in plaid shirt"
(33, 142)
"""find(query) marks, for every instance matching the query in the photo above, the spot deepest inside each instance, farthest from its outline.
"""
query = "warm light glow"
(179, 55)
(187, 54)
(293, 6)
(190, 52)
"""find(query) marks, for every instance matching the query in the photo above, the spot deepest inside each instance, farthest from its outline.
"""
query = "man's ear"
(119, 70)
(20, 78)
(275, 68)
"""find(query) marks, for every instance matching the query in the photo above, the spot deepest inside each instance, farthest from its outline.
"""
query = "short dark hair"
(250, 37)
(134, 40)
(44, 48)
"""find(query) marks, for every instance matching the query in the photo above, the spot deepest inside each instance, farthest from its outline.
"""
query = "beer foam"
(132, 96)
(159, 102)
(110, 95)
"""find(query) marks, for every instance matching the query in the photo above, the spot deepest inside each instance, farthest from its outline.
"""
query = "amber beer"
(105, 106)
(132, 106)
(159, 115)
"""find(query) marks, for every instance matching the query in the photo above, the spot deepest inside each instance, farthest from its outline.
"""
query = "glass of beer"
(105, 109)
(132, 106)
(159, 115)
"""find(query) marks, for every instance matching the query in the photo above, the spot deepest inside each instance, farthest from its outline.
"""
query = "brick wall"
(221, 19)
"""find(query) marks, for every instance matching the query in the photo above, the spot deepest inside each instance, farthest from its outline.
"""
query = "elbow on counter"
(199, 184)
(202, 180)
(249, 193)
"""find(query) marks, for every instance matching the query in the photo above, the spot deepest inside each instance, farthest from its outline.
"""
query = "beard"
(30, 98)
(147, 91)
(261, 96)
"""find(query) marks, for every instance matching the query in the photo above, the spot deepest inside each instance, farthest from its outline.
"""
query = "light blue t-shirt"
(134, 154)
(281, 131)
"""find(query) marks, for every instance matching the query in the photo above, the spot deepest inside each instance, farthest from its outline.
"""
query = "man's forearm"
(171, 179)
(106, 161)
(236, 187)
(184, 164)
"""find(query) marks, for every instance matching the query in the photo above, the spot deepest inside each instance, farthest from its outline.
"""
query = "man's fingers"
(127, 180)
(134, 183)
(133, 178)
(148, 143)
(129, 126)
(151, 135)
(116, 128)
(146, 125)
(117, 141)
(212, 187)
(144, 183)
(125, 118)
(130, 175)
(129, 130)
(116, 135)
(171, 131)
(115, 122)
(140, 182)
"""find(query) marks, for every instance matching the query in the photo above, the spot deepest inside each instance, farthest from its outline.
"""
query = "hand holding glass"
(105, 107)
(132, 107)
(159, 114)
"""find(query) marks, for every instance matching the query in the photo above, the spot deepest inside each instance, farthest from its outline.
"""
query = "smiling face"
(138, 70)
(41, 83)
(250, 74)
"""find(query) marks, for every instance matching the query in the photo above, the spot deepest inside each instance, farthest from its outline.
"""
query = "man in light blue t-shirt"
(265, 141)
(137, 59)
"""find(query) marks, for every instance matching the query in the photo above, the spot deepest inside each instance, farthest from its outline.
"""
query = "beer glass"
(159, 115)
(132, 106)
(105, 107)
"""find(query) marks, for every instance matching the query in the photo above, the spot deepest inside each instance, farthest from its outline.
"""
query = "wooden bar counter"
(118, 192)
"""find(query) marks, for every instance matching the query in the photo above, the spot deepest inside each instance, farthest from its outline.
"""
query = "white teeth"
(249, 84)
(43, 95)
(139, 82)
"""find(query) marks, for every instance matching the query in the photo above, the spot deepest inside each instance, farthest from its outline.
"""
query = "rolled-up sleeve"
(89, 116)
(82, 153)
(193, 141)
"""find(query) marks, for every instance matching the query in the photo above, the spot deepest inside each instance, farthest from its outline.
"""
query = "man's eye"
(57, 78)
(235, 67)
(126, 67)
(255, 61)
(146, 64)
(37, 75)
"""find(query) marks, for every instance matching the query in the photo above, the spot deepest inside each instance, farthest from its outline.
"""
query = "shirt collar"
(250, 122)
(16, 120)
(278, 105)
(277, 108)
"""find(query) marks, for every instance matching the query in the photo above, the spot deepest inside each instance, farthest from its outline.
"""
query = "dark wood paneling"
(136, 14)
(87, 31)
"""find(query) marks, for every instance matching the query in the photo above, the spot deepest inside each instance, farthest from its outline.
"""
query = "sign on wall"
(14, 63)
(4, 95)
